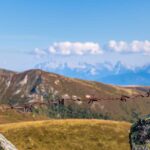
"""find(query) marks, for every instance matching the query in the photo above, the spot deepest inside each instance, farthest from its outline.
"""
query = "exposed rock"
(140, 134)
(5, 144)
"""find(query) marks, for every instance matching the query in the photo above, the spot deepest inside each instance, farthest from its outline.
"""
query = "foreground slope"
(68, 135)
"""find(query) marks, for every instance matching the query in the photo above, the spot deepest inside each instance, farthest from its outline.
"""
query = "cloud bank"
(132, 47)
(78, 48)
(93, 48)
(70, 48)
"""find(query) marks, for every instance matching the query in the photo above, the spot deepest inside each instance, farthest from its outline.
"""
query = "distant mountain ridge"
(119, 73)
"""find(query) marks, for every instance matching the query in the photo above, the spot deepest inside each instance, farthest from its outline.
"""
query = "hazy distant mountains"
(105, 72)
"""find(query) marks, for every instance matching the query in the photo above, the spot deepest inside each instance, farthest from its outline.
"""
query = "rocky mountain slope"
(34, 85)
(37, 83)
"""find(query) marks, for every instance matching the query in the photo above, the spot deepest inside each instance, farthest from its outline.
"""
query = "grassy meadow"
(70, 134)
(11, 116)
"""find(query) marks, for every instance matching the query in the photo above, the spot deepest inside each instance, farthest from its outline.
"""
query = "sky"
(73, 31)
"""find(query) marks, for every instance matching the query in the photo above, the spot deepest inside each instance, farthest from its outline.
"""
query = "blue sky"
(29, 24)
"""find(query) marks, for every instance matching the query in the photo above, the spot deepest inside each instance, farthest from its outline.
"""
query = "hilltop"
(25, 84)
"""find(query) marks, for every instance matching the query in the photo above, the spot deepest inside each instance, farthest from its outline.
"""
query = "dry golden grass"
(10, 116)
(68, 135)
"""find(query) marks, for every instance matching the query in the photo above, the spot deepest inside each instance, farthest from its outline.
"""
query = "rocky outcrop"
(140, 134)
(5, 144)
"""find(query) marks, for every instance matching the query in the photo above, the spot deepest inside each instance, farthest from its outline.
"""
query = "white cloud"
(39, 52)
(78, 48)
(141, 46)
(120, 46)
(91, 48)
(132, 47)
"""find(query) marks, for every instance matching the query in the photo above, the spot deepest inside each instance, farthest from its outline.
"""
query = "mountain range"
(118, 74)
